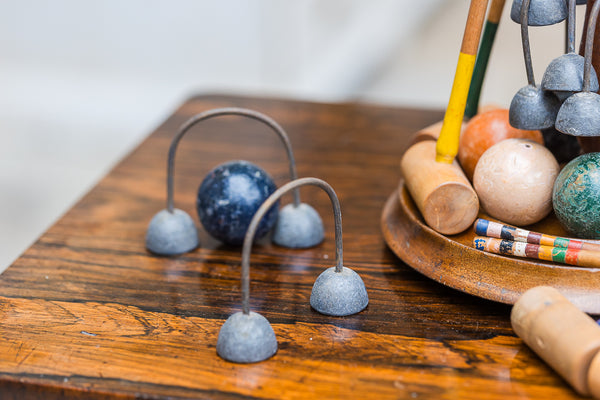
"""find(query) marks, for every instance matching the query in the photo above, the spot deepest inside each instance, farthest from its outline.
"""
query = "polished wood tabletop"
(88, 313)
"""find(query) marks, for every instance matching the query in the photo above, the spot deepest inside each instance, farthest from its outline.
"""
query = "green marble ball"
(576, 196)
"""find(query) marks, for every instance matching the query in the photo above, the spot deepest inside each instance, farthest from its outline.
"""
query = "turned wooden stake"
(566, 338)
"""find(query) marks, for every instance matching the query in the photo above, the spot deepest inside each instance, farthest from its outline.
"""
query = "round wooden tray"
(452, 261)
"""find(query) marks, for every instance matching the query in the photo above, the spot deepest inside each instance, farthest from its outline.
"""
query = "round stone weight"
(246, 338)
(171, 233)
(533, 108)
(541, 12)
(514, 180)
(228, 198)
(579, 115)
(298, 227)
(576, 196)
(339, 293)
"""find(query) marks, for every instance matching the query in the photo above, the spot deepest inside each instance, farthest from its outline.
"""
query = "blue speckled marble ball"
(228, 198)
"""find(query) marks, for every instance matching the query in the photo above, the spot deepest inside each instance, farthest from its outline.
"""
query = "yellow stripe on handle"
(447, 144)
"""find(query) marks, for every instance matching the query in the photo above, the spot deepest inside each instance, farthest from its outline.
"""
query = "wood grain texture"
(474, 25)
(88, 313)
(454, 261)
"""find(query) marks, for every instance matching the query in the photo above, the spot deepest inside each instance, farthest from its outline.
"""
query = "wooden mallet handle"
(473, 27)
(447, 144)
(483, 56)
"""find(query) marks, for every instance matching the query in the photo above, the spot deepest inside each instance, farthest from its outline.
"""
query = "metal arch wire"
(589, 46)
(571, 27)
(264, 208)
(220, 112)
(525, 39)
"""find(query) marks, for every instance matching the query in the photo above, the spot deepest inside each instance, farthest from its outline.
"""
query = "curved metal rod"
(571, 27)
(220, 112)
(525, 39)
(589, 47)
(265, 207)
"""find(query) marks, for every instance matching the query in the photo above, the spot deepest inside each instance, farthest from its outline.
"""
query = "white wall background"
(81, 82)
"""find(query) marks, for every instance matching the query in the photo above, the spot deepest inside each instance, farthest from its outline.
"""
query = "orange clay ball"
(483, 131)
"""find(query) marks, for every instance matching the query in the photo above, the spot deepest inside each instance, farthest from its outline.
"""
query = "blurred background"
(82, 82)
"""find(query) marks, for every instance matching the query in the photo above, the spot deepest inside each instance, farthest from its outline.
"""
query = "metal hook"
(525, 39)
(564, 74)
(579, 115)
(532, 107)
(571, 26)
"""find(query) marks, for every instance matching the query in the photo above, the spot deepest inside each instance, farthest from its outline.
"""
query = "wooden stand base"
(452, 261)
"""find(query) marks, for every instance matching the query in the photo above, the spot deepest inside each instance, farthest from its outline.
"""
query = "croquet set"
(501, 203)
(517, 214)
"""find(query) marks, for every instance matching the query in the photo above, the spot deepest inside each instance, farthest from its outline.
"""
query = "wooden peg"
(562, 335)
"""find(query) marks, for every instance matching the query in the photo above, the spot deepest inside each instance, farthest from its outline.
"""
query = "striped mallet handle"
(483, 56)
(447, 143)
(484, 227)
(578, 257)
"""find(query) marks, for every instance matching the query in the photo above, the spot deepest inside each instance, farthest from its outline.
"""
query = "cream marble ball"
(514, 180)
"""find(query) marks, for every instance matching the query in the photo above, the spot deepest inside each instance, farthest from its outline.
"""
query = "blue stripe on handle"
(479, 244)
(481, 227)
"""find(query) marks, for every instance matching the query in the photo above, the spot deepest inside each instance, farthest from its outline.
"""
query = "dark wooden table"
(88, 313)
